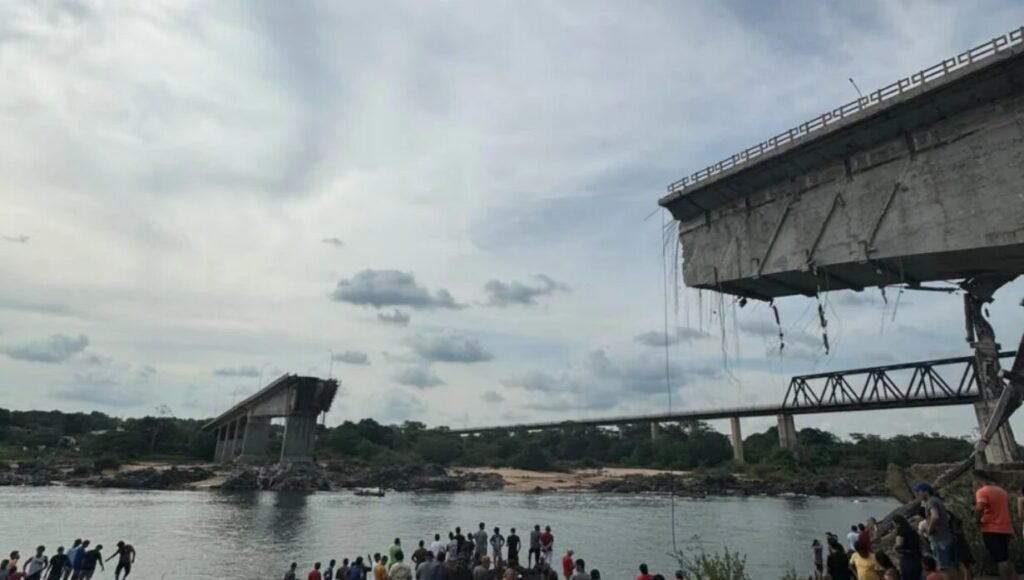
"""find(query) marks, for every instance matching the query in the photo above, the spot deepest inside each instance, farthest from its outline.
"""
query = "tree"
(438, 448)
(532, 458)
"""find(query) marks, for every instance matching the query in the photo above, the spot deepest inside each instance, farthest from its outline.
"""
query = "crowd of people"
(78, 563)
(472, 556)
(936, 548)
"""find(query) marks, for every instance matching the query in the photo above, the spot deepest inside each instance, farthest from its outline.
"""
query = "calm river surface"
(255, 535)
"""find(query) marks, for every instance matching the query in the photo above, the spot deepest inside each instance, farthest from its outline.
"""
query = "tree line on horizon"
(694, 445)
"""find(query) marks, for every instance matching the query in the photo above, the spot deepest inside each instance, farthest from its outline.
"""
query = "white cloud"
(449, 349)
(352, 357)
(56, 349)
(418, 376)
(503, 294)
(380, 288)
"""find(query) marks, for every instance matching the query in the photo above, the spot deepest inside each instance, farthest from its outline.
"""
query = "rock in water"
(244, 479)
(298, 476)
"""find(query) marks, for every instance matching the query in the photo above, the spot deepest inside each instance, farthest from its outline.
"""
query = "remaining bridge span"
(243, 430)
(928, 383)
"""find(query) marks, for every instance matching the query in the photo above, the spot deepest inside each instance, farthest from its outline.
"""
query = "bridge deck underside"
(926, 189)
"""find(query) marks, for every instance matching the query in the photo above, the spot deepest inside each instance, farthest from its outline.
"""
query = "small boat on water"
(368, 492)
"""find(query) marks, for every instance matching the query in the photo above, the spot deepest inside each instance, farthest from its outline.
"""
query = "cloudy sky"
(455, 201)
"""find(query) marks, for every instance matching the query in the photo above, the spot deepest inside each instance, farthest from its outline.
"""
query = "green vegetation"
(109, 441)
(105, 440)
(714, 566)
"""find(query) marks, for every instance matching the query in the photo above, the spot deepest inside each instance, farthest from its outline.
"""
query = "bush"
(106, 462)
(704, 566)
(532, 458)
(82, 469)
(440, 449)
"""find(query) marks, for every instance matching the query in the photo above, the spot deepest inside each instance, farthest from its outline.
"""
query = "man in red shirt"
(568, 565)
(315, 574)
(864, 537)
(547, 546)
(644, 574)
(992, 505)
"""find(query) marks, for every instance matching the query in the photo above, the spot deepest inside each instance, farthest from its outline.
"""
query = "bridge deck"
(712, 414)
(921, 386)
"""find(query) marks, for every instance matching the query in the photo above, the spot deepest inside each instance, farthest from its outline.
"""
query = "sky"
(451, 207)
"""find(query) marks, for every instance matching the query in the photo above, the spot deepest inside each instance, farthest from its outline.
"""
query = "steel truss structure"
(874, 386)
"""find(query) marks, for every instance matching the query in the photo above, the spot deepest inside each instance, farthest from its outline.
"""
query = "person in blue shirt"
(78, 562)
(74, 554)
(358, 570)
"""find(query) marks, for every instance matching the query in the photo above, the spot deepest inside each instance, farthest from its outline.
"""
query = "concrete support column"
(299, 437)
(254, 441)
(232, 446)
(240, 433)
(218, 450)
(787, 433)
(654, 431)
(736, 439)
(1003, 447)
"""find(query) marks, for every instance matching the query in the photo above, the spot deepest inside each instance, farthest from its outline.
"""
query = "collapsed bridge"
(243, 431)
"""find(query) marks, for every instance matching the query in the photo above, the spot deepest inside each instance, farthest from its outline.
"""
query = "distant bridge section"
(928, 383)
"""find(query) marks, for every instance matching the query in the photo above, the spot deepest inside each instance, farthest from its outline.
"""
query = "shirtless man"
(125, 554)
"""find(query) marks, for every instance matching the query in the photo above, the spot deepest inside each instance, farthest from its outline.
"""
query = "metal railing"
(923, 77)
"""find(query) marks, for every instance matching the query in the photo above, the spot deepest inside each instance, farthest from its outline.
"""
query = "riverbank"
(339, 476)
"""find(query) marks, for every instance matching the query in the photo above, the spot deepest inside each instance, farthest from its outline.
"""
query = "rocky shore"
(339, 476)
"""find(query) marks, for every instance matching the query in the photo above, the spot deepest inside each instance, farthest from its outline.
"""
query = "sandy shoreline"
(516, 480)
(341, 476)
(521, 480)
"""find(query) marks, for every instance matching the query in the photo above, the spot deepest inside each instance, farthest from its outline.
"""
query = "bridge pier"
(254, 440)
(221, 435)
(1003, 447)
(787, 433)
(299, 437)
(231, 445)
(654, 431)
(736, 439)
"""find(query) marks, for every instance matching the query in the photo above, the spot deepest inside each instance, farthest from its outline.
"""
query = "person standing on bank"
(480, 543)
(35, 565)
(939, 530)
(534, 554)
(992, 504)
(513, 548)
(908, 546)
(125, 555)
(497, 543)
(547, 546)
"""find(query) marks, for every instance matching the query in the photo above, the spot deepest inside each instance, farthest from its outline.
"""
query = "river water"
(255, 535)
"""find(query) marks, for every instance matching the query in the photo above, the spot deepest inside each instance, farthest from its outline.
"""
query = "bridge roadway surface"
(735, 412)
(925, 388)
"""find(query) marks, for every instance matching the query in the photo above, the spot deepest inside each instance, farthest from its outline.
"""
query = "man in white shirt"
(851, 537)
(437, 546)
(35, 565)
